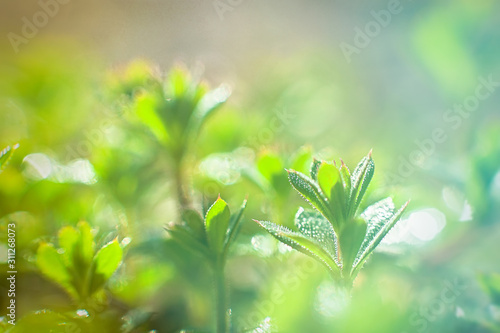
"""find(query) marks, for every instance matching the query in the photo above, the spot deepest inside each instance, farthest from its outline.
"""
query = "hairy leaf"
(311, 192)
(301, 243)
(360, 180)
(314, 169)
(379, 227)
(346, 179)
(314, 225)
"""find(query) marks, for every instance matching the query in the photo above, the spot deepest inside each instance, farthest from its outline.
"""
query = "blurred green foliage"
(121, 148)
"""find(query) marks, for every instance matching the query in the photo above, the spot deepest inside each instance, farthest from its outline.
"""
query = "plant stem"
(221, 308)
(179, 184)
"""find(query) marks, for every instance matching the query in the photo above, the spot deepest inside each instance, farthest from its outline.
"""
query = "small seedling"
(211, 238)
(173, 109)
(76, 266)
(335, 234)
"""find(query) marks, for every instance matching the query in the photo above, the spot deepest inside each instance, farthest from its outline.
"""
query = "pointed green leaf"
(195, 223)
(330, 182)
(302, 244)
(234, 226)
(314, 225)
(350, 241)
(311, 192)
(217, 223)
(51, 264)
(105, 263)
(188, 241)
(376, 217)
(360, 180)
(314, 169)
(377, 234)
(346, 179)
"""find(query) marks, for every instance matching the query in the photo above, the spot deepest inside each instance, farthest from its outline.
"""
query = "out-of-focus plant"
(211, 238)
(77, 266)
(174, 109)
(274, 182)
(81, 270)
(335, 234)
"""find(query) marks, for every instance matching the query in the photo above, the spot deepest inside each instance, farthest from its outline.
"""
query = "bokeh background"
(416, 81)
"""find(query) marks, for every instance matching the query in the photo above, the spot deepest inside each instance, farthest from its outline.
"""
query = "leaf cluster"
(174, 109)
(209, 236)
(77, 266)
(334, 233)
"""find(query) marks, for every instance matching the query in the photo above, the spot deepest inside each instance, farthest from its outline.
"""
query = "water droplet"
(82, 313)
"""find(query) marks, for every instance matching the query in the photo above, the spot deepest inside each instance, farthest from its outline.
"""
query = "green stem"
(179, 185)
(222, 316)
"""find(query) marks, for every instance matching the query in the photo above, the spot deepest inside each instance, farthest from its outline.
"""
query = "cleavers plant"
(211, 237)
(334, 233)
(77, 266)
(174, 109)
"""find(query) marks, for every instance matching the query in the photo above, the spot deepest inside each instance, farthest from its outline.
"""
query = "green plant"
(335, 234)
(77, 266)
(211, 237)
(174, 109)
